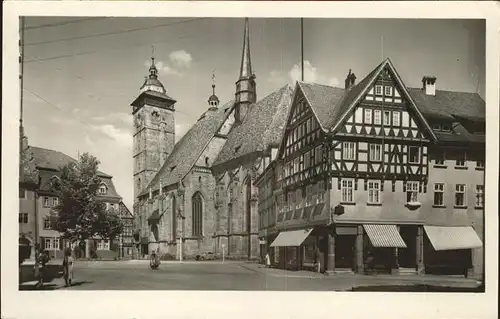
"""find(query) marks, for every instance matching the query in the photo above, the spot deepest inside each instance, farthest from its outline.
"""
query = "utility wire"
(114, 32)
(58, 107)
(116, 49)
(49, 25)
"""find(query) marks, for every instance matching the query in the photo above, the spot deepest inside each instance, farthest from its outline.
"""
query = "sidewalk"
(359, 279)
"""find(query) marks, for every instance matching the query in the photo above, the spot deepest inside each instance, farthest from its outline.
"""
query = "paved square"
(214, 275)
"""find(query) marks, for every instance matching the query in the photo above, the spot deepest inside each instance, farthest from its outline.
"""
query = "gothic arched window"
(197, 217)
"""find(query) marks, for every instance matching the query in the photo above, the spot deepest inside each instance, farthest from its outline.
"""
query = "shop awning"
(291, 238)
(384, 236)
(451, 238)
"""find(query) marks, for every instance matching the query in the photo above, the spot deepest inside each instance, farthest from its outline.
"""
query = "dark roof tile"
(189, 148)
(261, 127)
(448, 104)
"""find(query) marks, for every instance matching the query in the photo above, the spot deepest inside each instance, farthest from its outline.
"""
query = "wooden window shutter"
(404, 186)
(382, 185)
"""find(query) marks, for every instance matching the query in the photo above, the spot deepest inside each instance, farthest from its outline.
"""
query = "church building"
(196, 196)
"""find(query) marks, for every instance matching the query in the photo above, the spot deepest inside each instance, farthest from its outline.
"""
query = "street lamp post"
(181, 241)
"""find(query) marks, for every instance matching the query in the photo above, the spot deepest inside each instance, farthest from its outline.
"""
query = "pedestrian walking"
(43, 259)
(154, 261)
(68, 264)
(268, 261)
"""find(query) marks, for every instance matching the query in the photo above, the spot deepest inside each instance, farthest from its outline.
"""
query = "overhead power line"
(114, 32)
(58, 107)
(115, 49)
(50, 25)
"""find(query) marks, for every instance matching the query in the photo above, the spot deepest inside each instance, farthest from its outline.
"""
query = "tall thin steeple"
(245, 86)
(246, 62)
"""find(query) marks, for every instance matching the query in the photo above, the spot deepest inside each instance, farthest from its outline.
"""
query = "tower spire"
(213, 100)
(153, 71)
(245, 86)
(213, 82)
(246, 64)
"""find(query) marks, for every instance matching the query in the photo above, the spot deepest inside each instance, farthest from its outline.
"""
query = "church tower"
(154, 129)
(245, 86)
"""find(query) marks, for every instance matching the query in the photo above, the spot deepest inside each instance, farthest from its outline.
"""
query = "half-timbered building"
(354, 183)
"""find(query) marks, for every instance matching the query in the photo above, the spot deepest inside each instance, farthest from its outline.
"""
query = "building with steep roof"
(39, 166)
(183, 210)
(379, 177)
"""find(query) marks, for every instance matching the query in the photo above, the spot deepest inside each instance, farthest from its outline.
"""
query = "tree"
(80, 214)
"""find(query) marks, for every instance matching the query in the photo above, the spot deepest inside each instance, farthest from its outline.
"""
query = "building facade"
(378, 177)
(36, 205)
(126, 241)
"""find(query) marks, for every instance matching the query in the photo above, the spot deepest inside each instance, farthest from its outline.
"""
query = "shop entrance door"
(407, 257)
(345, 251)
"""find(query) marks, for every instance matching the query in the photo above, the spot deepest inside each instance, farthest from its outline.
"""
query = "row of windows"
(460, 199)
(103, 244)
(297, 133)
(412, 191)
(387, 89)
(376, 152)
(460, 162)
(52, 243)
(310, 158)
(314, 194)
(375, 117)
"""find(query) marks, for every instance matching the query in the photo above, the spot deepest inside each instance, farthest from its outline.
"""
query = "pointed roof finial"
(213, 82)
(246, 64)
(153, 71)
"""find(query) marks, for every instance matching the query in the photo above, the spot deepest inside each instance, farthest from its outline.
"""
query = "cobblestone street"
(191, 275)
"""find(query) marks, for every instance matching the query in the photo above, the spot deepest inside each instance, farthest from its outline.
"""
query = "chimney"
(429, 85)
(350, 80)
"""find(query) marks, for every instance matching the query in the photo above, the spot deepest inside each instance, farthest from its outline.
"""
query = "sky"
(82, 74)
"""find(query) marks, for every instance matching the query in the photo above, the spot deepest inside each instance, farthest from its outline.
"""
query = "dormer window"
(102, 189)
(441, 127)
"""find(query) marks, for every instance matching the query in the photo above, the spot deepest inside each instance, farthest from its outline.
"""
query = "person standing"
(43, 259)
(68, 264)
(268, 261)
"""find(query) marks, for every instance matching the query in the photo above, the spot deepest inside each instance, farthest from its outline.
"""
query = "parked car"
(206, 256)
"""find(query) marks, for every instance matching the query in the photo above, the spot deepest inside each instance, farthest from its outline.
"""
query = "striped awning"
(384, 236)
(451, 238)
(291, 238)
